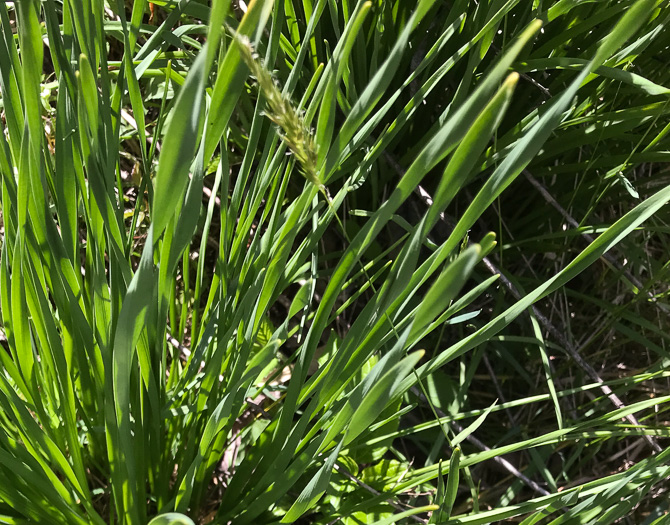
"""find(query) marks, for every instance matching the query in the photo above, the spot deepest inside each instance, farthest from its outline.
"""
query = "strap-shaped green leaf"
(179, 146)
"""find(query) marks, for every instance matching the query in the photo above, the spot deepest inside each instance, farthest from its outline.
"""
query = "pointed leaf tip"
(511, 80)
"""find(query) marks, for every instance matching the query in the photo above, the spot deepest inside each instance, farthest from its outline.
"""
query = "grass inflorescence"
(472, 328)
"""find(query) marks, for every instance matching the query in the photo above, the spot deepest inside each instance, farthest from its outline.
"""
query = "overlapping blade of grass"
(336, 68)
(47, 421)
(90, 341)
(609, 238)
(436, 149)
(474, 141)
(499, 71)
(585, 428)
(230, 81)
(181, 141)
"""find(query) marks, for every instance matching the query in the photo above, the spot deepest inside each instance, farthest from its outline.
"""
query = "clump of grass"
(207, 340)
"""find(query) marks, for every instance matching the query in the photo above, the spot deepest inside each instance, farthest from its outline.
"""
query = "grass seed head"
(292, 127)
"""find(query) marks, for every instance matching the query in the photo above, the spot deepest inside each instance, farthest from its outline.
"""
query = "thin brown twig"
(484, 447)
(572, 351)
(572, 222)
(542, 319)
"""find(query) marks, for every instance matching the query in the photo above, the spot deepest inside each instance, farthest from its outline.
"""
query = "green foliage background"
(328, 261)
